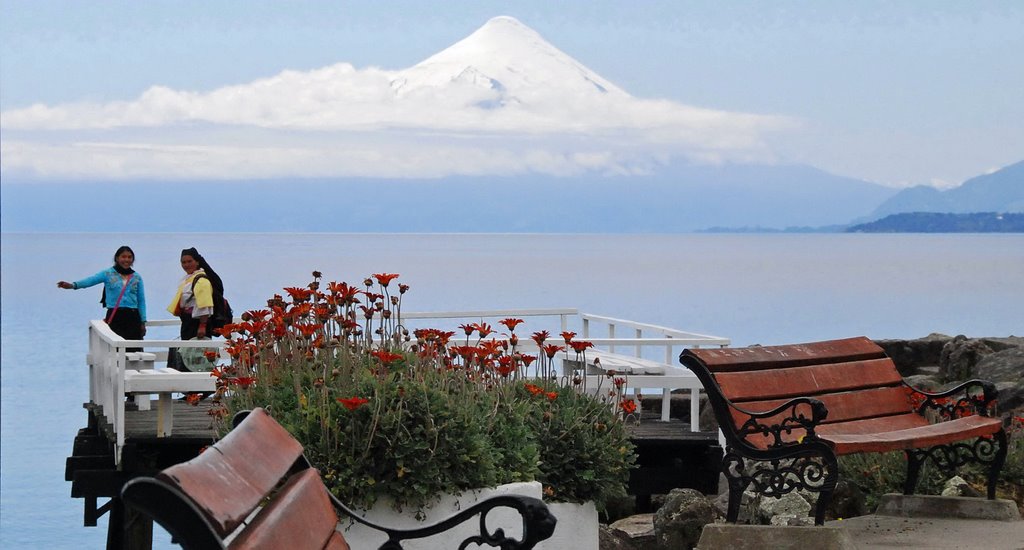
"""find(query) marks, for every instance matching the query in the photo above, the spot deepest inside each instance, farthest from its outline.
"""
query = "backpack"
(222, 314)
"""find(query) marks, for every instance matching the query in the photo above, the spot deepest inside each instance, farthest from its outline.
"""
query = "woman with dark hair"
(123, 295)
(193, 302)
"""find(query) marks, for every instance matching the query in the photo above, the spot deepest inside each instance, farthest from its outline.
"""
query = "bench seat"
(869, 437)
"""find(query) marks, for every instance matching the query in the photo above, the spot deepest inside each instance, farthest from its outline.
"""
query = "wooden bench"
(254, 489)
(787, 412)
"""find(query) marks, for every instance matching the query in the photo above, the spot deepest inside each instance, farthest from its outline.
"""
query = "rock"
(1011, 396)
(639, 528)
(792, 521)
(848, 501)
(957, 487)
(1002, 366)
(911, 355)
(609, 538)
(959, 357)
(748, 505)
(923, 382)
(790, 505)
(678, 523)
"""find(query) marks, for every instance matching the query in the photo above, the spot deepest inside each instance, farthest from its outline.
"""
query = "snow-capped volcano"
(502, 100)
(508, 62)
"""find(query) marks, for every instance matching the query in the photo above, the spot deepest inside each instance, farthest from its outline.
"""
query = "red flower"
(245, 381)
(511, 323)
(551, 350)
(628, 406)
(527, 359)
(353, 403)
(552, 395)
(385, 278)
(386, 357)
(579, 346)
(619, 382)
(468, 328)
(210, 355)
(505, 366)
(483, 328)
(568, 335)
(533, 389)
(299, 294)
(540, 337)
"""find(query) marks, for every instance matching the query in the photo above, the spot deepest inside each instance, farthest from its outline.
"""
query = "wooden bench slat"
(809, 380)
(300, 516)
(229, 480)
(891, 439)
(796, 355)
(842, 406)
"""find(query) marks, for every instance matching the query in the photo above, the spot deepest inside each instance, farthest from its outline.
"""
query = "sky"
(898, 93)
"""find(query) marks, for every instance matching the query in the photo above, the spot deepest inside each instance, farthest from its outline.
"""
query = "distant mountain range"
(675, 198)
(1000, 191)
(943, 222)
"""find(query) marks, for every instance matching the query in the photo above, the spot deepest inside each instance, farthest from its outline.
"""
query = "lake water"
(767, 289)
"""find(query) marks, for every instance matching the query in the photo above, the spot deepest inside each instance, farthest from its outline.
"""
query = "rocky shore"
(934, 362)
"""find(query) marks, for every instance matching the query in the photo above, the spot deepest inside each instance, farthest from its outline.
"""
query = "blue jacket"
(134, 297)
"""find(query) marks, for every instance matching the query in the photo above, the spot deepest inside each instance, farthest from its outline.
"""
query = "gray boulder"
(959, 357)
(911, 355)
(609, 538)
(638, 529)
(1006, 369)
(679, 522)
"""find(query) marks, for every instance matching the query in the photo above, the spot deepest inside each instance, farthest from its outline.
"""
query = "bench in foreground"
(255, 489)
(787, 412)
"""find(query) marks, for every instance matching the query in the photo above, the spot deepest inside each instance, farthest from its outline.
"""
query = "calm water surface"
(765, 289)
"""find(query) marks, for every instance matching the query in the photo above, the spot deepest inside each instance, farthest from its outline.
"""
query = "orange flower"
(579, 346)
(245, 381)
(385, 278)
(353, 403)
(193, 398)
(386, 357)
(552, 395)
(533, 389)
(540, 337)
(628, 406)
(210, 355)
(551, 350)
(483, 328)
(299, 294)
(511, 323)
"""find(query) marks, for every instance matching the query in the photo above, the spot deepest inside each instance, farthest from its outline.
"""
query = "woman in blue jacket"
(123, 295)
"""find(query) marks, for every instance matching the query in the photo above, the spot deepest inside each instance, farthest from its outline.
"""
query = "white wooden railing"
(114, 372)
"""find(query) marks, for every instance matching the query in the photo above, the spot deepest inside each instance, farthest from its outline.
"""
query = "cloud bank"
(501, 101)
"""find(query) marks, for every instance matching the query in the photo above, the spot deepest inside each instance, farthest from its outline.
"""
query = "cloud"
(340, 121)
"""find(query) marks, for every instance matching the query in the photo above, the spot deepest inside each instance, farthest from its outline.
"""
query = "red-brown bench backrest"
(853, 378)
(229, 480)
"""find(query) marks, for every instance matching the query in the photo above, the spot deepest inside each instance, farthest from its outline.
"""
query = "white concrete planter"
(576, 528)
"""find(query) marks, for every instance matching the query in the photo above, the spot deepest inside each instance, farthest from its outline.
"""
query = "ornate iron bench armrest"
(948, 406)
(538, 524)
(795, 420)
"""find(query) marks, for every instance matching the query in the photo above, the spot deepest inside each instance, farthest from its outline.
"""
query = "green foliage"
(410, 420)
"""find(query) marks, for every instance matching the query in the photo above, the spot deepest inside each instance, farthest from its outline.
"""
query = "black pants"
(189, 326)
(127, 324)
